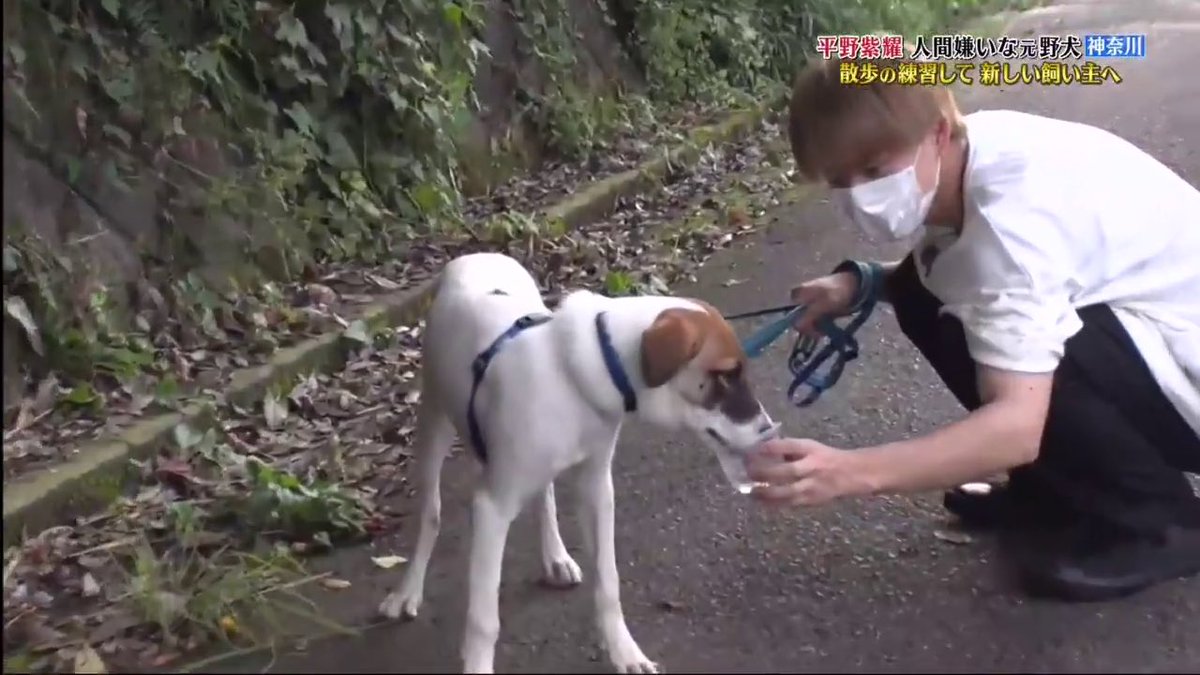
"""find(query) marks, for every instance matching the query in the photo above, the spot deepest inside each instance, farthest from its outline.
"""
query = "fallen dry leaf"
(90, 587)
(275, 411)
(382, 282)
(953, 537)
(15, 307)
(334, 584)
(88, 661)
(164, 659)
(319, 294)
(387, 562)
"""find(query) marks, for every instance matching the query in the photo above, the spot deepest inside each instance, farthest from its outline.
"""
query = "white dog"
(538, 396)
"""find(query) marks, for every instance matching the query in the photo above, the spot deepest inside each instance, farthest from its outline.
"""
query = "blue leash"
(805, 360)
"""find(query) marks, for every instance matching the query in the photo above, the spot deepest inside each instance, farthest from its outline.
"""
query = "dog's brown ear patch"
(727, 350)
(674, 339)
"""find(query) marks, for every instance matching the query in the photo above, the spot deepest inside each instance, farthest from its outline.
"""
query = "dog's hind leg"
(492, 514)
(559, 569)
(434, 438)
(596, 493)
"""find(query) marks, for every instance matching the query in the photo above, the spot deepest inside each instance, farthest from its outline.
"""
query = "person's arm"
(1002, 434)
(889, 269)
(1016, 336)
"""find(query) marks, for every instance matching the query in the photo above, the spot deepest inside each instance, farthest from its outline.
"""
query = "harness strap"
(479, 367)
(612, 362)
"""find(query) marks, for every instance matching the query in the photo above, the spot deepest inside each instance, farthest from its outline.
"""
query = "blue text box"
(1120, 46)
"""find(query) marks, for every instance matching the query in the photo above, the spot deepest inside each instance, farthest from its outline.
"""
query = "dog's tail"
(435, 284)
(435, 433)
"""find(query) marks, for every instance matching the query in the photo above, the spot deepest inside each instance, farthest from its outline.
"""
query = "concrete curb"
(600, 198)
(102, 469)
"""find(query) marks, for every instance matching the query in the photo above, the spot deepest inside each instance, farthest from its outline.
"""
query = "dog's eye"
(725, 377)
(722, 378)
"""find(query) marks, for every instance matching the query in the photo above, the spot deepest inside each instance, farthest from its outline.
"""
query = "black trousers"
(1115, 450)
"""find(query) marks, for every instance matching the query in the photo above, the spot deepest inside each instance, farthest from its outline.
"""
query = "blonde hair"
(836, 128)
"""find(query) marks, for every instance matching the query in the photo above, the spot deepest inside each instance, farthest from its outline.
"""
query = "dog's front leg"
(490, 522)
(559, 569)
(597, 495)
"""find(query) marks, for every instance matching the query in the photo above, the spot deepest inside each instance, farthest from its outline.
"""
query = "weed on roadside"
(208, 551)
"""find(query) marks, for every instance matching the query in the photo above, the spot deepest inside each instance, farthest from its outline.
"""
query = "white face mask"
(889, 208)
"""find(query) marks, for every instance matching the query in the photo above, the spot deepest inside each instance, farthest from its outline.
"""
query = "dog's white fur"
(547, 404)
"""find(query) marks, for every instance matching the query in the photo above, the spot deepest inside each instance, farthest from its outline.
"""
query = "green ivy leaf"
(120, 88)
(302, 119)
(478, 49)
(83, 395)
(185, 436)
(454, 14)
(120, 134)
(357, 331)
(426, 197)
(113, 175)
(340, 154)
(369, 25)
(56, 25)
(74, 168)
(16, 54)
(77, 60)
(291, 30)
(113, 7)
(618, 283)
(12, 260)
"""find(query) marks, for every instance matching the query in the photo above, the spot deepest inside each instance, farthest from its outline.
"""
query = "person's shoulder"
(1009, 157)
(1000, 116)
(1016, 189)
(1036, 142)
(1006, 141)
(1002, 121)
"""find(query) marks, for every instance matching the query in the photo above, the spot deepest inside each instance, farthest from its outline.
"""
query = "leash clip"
(804, 365)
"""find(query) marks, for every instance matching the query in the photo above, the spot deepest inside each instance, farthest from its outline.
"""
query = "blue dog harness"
(612, 362)
(804, 360)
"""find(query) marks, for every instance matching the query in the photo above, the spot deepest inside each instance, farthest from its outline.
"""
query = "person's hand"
(824, 296)
(795, 471)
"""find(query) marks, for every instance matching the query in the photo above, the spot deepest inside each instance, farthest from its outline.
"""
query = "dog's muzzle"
(768, 431)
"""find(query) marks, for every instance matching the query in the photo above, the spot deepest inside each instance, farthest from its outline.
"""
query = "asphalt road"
(711, 583)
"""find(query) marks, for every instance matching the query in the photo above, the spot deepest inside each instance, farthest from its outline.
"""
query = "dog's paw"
(643, 665)
(478, 669)
(478, 661)
(630, 659)
(400, 605)
(561, 572)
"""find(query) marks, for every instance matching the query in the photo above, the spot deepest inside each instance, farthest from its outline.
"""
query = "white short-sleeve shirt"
(1061, 215)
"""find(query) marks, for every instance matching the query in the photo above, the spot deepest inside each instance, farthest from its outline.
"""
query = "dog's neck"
(625, 320)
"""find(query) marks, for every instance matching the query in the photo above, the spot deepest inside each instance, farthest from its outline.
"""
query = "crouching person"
(1054, 286)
